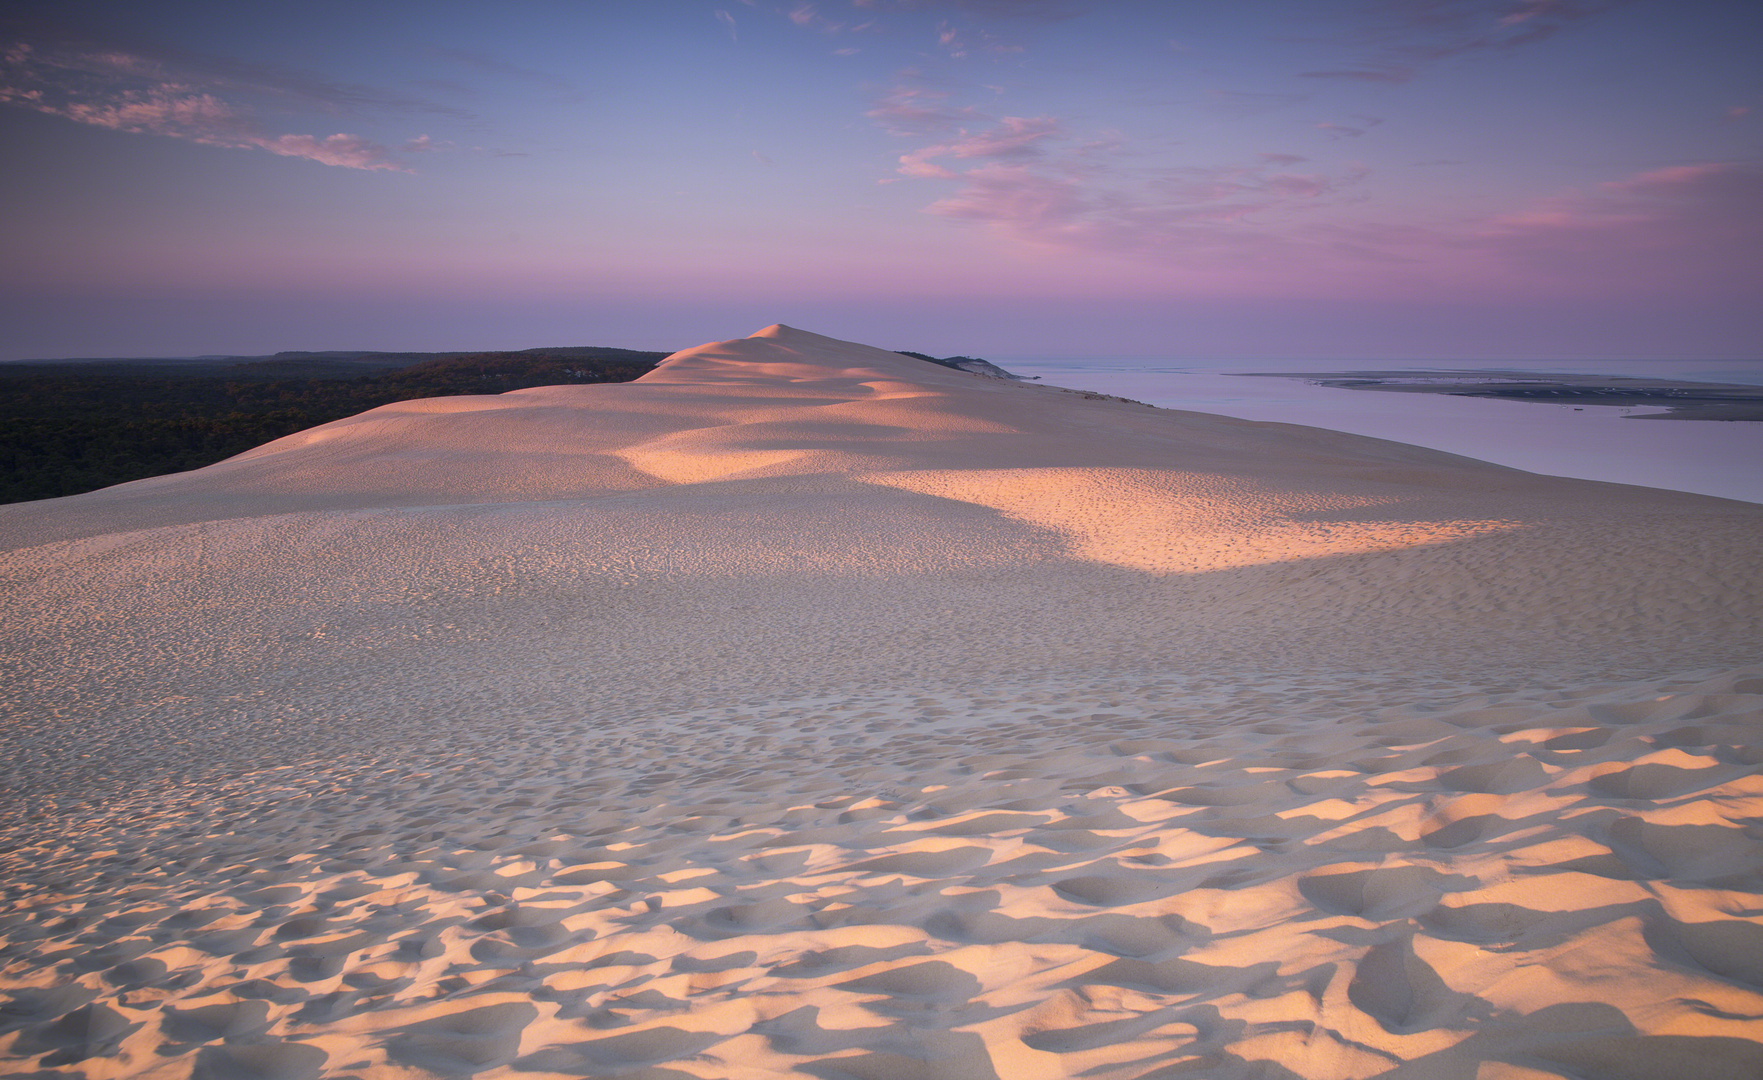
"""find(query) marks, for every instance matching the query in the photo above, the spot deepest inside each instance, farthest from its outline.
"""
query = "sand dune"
(803, 709)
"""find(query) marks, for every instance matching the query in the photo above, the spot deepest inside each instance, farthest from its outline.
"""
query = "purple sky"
(1211, 178)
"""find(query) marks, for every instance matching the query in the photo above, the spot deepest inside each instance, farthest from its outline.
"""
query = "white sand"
(807, 710)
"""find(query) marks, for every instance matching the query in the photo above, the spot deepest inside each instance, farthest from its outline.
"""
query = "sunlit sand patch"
(1172, 522)
(684, 465)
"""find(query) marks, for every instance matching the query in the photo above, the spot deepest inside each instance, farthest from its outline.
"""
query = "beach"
(806, 710)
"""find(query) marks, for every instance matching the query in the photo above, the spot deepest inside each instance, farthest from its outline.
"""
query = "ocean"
(1592, 442)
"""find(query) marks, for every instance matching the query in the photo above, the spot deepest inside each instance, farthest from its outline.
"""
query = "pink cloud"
(958, 36)
(950, 39)
(347, 151)
(1687, 231)
(163, 110)
(917, 166)
(1017, 197)
(1065, 200)
(1031, 180)
(1700, 222)
(122, 92)
(918, 110)
(1014, 137)
(807, 16)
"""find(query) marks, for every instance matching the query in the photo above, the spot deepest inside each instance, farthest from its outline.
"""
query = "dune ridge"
(804, 709)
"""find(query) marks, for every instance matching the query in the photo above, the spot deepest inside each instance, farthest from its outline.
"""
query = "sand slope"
(804, 709)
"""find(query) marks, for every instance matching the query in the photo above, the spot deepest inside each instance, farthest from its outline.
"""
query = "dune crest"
(807, 710)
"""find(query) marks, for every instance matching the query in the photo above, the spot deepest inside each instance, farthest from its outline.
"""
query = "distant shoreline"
(1682, 399)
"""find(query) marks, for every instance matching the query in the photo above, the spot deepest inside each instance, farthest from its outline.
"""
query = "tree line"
(66, 428)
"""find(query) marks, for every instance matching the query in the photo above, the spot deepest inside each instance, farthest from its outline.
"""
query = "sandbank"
(1675, 399)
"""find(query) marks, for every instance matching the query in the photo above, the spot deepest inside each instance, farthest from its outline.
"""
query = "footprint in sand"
(615, 1054)
(260, 1061)
(1482, 923)
(1181, 976)
(1115, 890)
(924, 864)
(1727, 947)
(765, 915)
(931, 980)
(1521, 773)
(466, 1041)
(1403, 993)
(1664, 775)
(1465, 820)
(1649, 1057)
(91, 1030)
(1395, 892)
(136, 974)
(207, 1023)
(1704, 854)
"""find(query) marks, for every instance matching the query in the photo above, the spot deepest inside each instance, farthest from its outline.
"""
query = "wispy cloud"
(1394, 73)
(911, 108)
(347, 151)
(961, 28)
(1404, 36)
(488, 64)
(1690, 231)
(1013, 137)
(143, 94)
(962, 40)
(1037, 10)
(1032, 180)
(1240, 104)
(809, 17)
(728, 23)
(1700, 221)
(1200, 220)
(1038, 181)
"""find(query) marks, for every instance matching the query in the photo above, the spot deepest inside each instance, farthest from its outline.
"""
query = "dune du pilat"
(802, 709)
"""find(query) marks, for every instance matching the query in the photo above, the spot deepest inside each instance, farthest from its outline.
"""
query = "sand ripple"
(1165, 879)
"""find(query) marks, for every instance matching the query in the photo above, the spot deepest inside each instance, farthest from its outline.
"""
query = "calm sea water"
(1723, 458)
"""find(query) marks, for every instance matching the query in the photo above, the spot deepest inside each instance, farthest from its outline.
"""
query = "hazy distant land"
(1682, 400)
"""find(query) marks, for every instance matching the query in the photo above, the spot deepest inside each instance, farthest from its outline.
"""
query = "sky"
(1451, 179)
